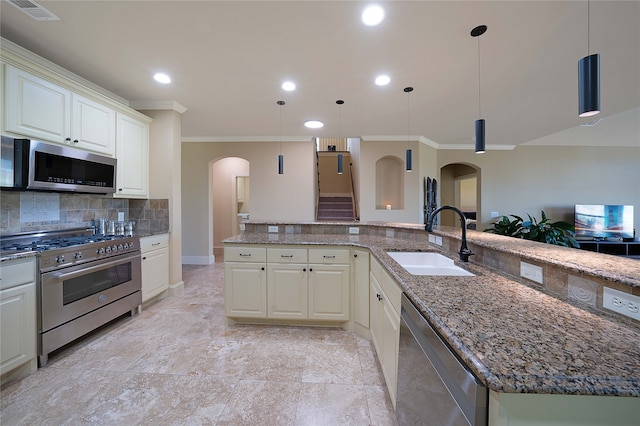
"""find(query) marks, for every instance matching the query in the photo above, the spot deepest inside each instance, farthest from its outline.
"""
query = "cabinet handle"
(155, 244)
(144, 258)
(304, 269)
(75, 141)
(379, 297)
(329, 257)
(262, 268)
(286, 255)
(310, 269)
(68, 139)
(245, 255)
(355, 255)
(120, 189)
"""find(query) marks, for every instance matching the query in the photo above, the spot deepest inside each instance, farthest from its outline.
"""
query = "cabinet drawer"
(17, 272)
(286, 255)
(245, 254)
(329, 256)
(154, 242)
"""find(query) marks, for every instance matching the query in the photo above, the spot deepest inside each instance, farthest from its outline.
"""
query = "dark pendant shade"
(480, 136)
(339, 164)
(589, 85)
(280, 164)
(409, 161)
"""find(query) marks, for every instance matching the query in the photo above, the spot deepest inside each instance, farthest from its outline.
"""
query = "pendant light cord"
(479, 104)
(588, 26)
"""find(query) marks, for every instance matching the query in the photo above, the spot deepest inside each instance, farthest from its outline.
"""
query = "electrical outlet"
(531, 272)
(354, 230)
(432, 238)
(120, 216)
(495, 214)
(273, 228)
(439, 240)
(621, 302)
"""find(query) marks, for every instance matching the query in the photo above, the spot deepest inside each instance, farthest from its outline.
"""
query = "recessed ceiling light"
(161, 77)
(382, 80)
(289, 86)
(372, 15)
(313, 124)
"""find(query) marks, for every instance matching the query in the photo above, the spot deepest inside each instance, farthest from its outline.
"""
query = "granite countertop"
(516, 339)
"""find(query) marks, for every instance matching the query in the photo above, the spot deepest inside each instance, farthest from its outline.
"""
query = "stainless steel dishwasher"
(434, 386)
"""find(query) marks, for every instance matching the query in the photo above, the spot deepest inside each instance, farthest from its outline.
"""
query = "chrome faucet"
(464, 251)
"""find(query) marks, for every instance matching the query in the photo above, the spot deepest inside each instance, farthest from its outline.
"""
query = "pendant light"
(340, 102)
(280, 156)
(589, 79)
(480, 144)
(408, 159)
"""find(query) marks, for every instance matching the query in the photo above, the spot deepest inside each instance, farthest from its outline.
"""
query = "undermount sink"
(428, 263)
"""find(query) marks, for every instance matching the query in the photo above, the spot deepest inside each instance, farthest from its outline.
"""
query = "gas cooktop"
(39, 245)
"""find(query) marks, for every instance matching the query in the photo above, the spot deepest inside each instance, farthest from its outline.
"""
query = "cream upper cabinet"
(93, 126)
(42, 110)
(18, 331)
(132, 152)
(35, 107)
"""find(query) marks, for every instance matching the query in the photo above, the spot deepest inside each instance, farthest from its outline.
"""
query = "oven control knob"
(78, 255)
(59, 259)
(114, 248)
(100, 250)
(120, 247)
(131, 244)
(108, 249)
(126, 246)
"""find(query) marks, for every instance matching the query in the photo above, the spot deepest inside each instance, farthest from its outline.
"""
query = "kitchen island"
(517, 336)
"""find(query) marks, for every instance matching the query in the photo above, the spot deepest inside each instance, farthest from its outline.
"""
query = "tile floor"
(178, 363)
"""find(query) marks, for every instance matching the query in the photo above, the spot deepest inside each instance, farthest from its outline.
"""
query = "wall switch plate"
(354, 230)
(622, 303)
(531, 272)
(273, 228)
(120, 216)
(495, 214)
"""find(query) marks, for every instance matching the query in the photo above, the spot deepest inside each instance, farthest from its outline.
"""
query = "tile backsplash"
(38, 211)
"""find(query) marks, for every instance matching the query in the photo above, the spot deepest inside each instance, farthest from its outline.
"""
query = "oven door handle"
(84, 271)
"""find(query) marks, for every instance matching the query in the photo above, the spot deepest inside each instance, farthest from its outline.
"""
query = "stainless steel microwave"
(28, 165)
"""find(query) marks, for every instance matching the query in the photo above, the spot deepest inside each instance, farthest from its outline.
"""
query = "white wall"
(534, 178)
(289, 196)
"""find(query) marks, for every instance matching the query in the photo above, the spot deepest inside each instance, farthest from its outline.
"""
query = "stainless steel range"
(86, 280)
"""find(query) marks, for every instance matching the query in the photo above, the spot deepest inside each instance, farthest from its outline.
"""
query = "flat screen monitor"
(602, 221)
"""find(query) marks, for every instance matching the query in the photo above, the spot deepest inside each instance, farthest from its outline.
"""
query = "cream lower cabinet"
(245, 282)
(360, 267)
(329, 284)
(18, 332)
(384, 300)
(155, 265)
(293, 284)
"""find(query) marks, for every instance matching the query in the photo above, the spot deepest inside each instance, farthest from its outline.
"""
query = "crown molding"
(158, 105)
(223, 139)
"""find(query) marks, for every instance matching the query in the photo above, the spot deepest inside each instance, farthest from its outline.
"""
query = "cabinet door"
(287, 291)
(132, 152)
(35, 107)
(155, 273)
(361, 287)
(245, 290)
(17, 326)
(329, 292)
(390, 342)
(93, 126)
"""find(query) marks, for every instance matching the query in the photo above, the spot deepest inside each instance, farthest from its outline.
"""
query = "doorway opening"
(460, 187)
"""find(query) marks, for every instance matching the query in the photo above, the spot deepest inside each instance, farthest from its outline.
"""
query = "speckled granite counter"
(515, 338)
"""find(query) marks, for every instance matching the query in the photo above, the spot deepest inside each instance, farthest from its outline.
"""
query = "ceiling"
(228, 59)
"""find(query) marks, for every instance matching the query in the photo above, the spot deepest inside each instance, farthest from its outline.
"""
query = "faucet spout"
(464, 251)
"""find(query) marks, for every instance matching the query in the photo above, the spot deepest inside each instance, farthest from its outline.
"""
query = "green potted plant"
(559, 233)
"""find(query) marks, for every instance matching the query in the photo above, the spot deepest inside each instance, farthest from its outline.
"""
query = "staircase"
(335, 208)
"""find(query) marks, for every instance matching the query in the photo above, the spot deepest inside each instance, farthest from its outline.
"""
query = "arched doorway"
(229, 195)
(460, 187)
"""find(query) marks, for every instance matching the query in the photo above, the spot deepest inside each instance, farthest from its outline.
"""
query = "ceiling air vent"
(34, 10)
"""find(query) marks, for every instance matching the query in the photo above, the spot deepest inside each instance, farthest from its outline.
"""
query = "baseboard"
(335, 194)
(198, 260)
(176, 289)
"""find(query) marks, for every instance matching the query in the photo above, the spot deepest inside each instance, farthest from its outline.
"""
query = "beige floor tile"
(260, 402)
(332, 404)
(332, 364)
